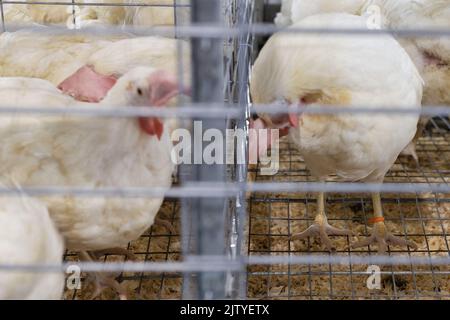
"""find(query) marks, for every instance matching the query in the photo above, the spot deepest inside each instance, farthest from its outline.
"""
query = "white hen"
(90, 152)
(68, 151)
(29, 237)
(431, 55)
(295, 10)
(85, 65)
(347, 71)
(283, 18)
(140, 12)
(29, 13)
(50, 56)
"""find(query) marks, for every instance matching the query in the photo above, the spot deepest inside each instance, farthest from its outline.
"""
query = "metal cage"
(232, 237)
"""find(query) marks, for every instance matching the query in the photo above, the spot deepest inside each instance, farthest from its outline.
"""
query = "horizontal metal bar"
(347, 187)
(347, 273)
(221, 263)
(126, 112)
(215, 31)
(356, 200)
(348, 259)
(214, 110)
(187, 266)
(269, 29)
(97, 4)
(194, 191)
(215, 190)
(339, 109)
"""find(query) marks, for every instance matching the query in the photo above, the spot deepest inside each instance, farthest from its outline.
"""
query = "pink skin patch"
(259, 147)
(163, 87)
(260, 144)
(87, 85)
(293, 120)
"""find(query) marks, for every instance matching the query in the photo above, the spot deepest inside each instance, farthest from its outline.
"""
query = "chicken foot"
(380, 234)
(102, 280)
(321, 227)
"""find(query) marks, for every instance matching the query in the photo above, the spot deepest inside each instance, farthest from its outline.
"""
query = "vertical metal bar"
(175, 11)
(258, 16)
(207, 87)
(2, 16)
(74, 18)
(243, 11)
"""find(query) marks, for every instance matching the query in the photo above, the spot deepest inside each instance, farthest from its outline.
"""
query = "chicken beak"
(152, 126)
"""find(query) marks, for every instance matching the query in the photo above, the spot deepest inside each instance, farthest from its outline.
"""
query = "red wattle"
(152, 126)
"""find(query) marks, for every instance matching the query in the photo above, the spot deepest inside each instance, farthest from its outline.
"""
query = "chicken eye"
(139, 91)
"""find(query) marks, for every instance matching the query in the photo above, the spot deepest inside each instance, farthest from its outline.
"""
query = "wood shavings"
(423, 218)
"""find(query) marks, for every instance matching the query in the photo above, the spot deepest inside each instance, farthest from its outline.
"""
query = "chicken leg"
(321, 227)
(380, 233)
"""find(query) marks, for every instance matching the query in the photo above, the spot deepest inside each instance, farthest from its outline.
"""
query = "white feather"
(29, 237)
(55, 57)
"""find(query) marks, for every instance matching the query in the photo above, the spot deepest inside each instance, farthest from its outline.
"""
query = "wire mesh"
(157, 245)
(260, 225)
(422, 218)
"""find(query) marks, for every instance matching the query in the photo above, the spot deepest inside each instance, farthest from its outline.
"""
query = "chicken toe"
(380, 234)
(322, 229)
(383, 237)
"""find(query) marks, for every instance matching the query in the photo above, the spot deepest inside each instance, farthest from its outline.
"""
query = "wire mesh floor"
(157, 245)
(422, 218)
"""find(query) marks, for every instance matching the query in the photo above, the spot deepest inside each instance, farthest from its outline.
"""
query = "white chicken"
(94, 153)
(122, 12)
(348, 71)
(283, 18)
(83, 65)
(113, 60)
(156, 13)
(295, 10)
(430, 54)
(105, 14)
(38, 13)
(29, 237)
(45, 55)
